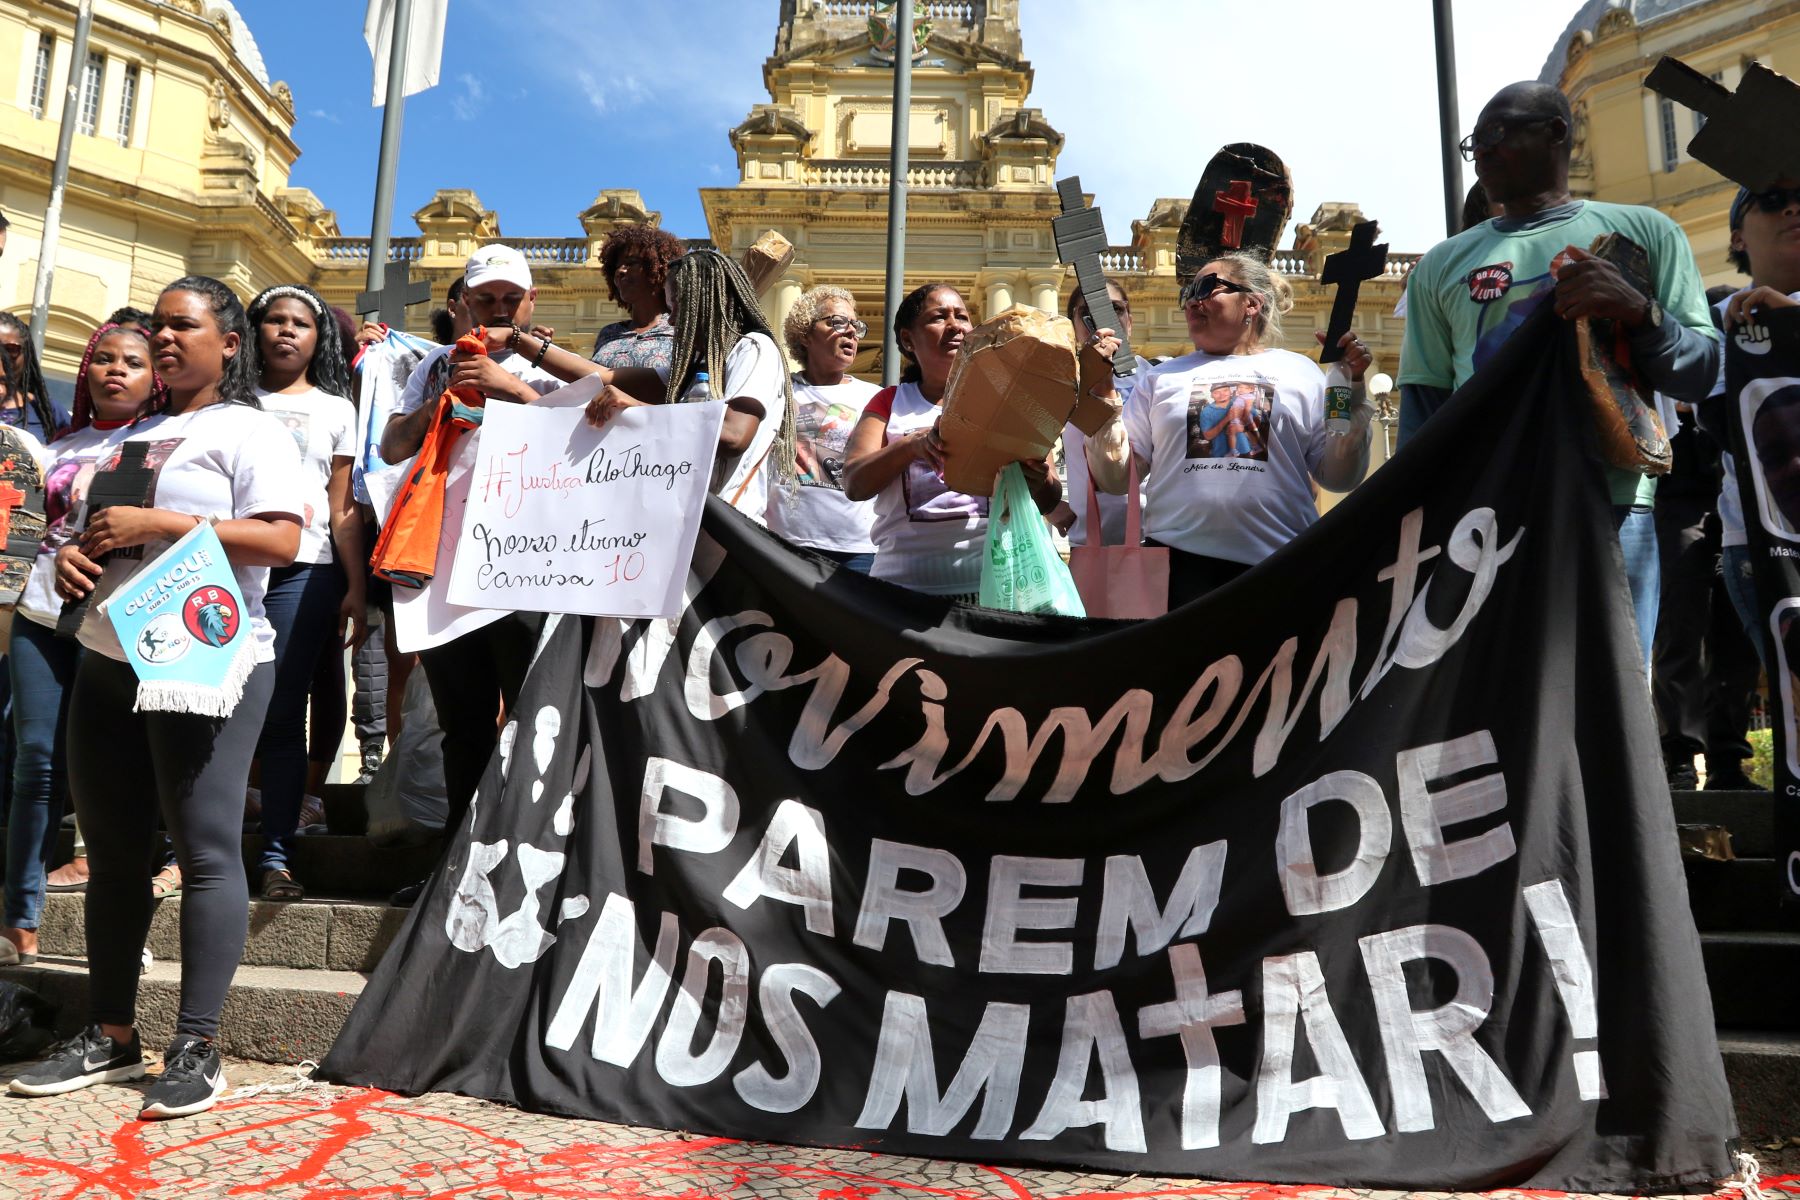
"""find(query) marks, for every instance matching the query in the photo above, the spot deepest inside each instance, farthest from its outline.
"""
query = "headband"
(289, 292)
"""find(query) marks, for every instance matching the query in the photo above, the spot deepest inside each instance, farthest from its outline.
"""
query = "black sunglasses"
(1495, 132)
(1206, 285)
(1775, 199)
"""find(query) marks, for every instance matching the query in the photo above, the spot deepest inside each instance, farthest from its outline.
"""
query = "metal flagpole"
(59, 176)
(1449, 132)
(897, 166)
(394, 110)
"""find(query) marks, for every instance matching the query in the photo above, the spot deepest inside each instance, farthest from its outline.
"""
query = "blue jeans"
(1740, 585)
(302, 606)
(1636, 524)
(42, 668)
(858, 561)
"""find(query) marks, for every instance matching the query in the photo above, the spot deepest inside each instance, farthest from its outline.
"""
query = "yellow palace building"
(184, 152)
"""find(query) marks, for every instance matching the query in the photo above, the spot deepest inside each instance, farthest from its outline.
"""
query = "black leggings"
(125, 768)
(472, 679)
(1191, 576)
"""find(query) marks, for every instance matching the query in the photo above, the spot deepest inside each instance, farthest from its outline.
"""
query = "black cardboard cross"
(1751, 136)
(127, 484)
(1080, 237)
(1361, 260)
(397, 291)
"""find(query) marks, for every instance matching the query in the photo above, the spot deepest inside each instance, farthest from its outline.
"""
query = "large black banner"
(1362, 870)
(1762, 419)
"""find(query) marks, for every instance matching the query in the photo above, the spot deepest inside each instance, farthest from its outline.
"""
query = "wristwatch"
(1653, 315)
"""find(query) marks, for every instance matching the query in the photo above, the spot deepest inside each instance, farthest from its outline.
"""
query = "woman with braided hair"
(27, 401)
(305, 384)
(720, 329)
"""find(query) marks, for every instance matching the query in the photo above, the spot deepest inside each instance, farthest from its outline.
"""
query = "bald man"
(1469, 293)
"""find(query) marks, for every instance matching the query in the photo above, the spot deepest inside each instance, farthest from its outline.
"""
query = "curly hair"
(328, 369)
(806, 310)
(82, 414)
(239, 373)
(658, 247)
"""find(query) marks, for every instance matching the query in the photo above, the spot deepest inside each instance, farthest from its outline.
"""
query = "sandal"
(69, 877)
(278, 883)
(166, 882)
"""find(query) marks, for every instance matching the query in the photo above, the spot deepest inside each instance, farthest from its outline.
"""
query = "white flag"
(424, 44)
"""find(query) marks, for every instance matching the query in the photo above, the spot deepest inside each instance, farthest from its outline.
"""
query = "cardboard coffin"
(1012, 389)
(766, 259)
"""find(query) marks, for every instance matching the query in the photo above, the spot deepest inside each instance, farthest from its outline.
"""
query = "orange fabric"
(407, 550)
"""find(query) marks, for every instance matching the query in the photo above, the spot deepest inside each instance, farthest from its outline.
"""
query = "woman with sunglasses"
(1231, 438)
(928, 538)
(823, 333)
(27, 401)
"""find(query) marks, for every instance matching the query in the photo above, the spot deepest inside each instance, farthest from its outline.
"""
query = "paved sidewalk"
(313, 1142)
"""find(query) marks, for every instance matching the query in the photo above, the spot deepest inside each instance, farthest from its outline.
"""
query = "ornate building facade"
(1630, 143)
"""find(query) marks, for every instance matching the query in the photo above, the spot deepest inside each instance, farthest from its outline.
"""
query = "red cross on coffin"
(1236, 204)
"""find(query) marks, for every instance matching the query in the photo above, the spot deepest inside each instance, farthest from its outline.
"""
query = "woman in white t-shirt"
(927, 537)
(216, 457)
(114, 385)
(1231, 438)
(305, 384)
(720, 329)
(824, 334)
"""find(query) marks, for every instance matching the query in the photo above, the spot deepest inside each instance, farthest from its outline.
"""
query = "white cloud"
(467, 104)
(1147, 90)
(319, 114)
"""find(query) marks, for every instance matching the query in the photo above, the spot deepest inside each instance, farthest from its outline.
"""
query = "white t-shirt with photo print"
(753, 368)
(224, 462)
(1231, 442)
(816, 512)
(323, 427)
(65, 491)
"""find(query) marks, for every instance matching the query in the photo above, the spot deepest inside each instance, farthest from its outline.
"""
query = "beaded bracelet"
(543, 349)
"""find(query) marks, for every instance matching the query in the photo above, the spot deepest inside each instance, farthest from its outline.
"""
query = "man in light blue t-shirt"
(1469, 293)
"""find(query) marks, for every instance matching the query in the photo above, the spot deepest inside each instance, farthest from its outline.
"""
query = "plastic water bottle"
(700, 389)
(1338, 399)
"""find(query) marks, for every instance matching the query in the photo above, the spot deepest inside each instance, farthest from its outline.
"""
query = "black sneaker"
(1730, 779)
(1683, 777)
(193, 1077)
(409, 895)
(88, 1058)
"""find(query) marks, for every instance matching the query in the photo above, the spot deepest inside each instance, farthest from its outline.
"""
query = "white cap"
(497, 262)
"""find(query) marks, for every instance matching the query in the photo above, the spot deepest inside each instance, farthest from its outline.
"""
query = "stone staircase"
(305, 963)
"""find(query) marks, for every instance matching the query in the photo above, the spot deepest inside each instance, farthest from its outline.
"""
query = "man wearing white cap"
(474, 675)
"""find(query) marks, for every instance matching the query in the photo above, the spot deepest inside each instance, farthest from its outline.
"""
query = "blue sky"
(537, 115)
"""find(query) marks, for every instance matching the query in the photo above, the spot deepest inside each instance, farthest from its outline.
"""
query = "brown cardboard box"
(766, 259)
(1011, 391)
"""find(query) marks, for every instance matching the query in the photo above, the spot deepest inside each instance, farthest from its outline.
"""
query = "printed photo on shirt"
(157, 453)
(929, 499)
(1771, 414)
(821, 434)
(1229, 419)
(298, 424)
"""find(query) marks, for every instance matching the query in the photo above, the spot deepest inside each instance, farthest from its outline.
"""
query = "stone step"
(1763, 1068)
(1743, 894)
(1754, 977)
(335, 864)
(272, 1014)
(1750, 816)
(313, 934)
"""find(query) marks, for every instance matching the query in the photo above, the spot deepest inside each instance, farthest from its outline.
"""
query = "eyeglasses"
(844, 325)
(1775, 199)
(1203, 287)
(1493, 133)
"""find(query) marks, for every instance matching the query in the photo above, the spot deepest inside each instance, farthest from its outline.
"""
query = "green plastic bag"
(1022, 572)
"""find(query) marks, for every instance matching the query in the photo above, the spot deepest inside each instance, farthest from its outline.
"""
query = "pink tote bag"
(1129, 582)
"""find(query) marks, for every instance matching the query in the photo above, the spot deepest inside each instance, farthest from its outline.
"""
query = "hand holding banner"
(566, 518)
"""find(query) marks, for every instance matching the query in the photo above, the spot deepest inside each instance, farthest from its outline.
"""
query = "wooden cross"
(1361, 260)
(1751, 136)
(1237, 205)
(1080, 238)
(129, 483)
(396, 292)
(10, 498)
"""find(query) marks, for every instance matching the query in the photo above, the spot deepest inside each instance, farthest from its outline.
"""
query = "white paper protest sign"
(566, 518)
